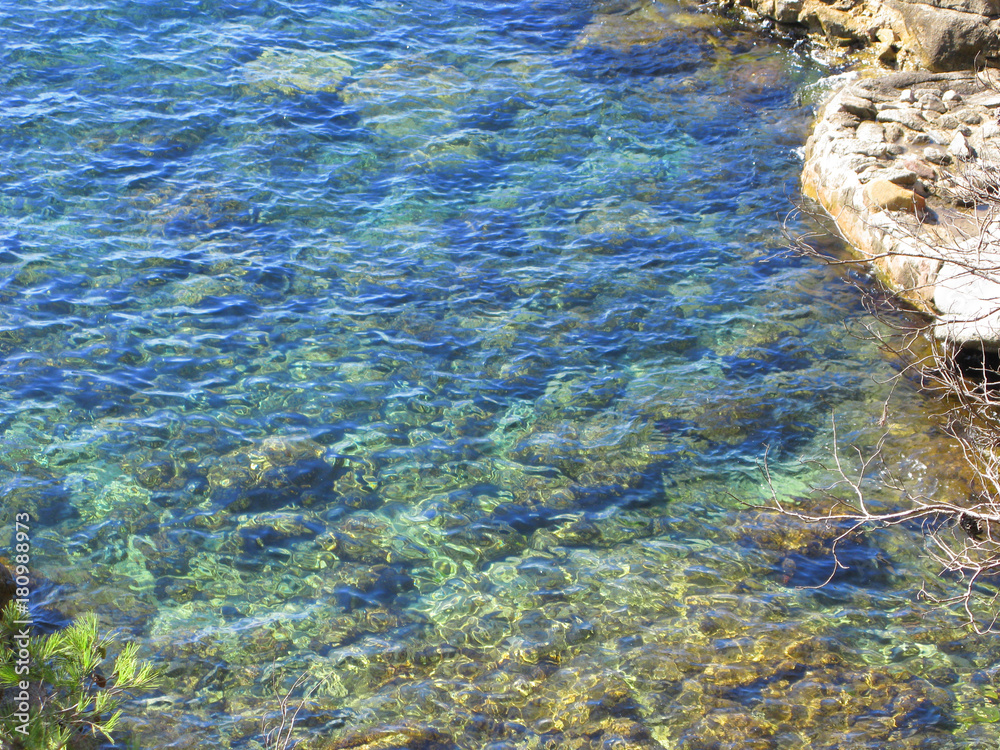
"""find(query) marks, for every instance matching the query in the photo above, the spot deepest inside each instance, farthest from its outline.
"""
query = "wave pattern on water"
(423, 349)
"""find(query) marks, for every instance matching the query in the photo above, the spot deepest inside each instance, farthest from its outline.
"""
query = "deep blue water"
(429, 351)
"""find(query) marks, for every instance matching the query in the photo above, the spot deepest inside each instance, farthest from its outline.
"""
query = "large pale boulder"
(886, 195)
(949, 34)
(968, 302)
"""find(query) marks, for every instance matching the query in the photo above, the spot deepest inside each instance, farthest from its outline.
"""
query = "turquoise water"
(429, 351)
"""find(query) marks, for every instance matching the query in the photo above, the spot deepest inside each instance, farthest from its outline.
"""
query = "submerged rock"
(413, 99)
(264, 531)
(370, 538)
(8, 588)
(363, 537)
(393, 737)
(276, 471)
(294, 71)
(649, 24)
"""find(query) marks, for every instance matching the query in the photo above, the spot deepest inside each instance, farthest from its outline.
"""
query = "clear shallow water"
(428, 350)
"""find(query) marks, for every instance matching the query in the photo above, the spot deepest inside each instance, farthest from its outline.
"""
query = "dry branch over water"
(937, 248)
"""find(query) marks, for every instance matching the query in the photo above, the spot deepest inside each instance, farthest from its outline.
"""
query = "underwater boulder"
(729, 727)
(393, 737)
(376, 587)
(413, 99)
(411, 82)
(266, 532)
(276, 471)
(572, 393)
(369, 538)
(44, 495)
(650, 24)
(294, 71)
(453, 159)
(362, 537)
(154, 470)
(656, 39)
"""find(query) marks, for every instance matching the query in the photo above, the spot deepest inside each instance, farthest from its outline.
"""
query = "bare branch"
(280, 737)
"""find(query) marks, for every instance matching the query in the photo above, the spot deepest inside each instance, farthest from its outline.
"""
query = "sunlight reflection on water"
(427, 350)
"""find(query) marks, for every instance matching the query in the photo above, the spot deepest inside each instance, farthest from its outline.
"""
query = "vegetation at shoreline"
(53, 691)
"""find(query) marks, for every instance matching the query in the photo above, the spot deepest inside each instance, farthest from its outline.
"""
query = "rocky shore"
(906, 156)
(934, 35)
(903, 163)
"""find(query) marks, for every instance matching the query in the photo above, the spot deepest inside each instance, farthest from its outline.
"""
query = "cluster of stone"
(937, 35)
(901, 163)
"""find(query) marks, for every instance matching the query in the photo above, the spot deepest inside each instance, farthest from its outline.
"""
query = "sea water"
(431, 353)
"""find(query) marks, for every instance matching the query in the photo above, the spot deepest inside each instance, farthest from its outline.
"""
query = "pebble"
(858, 164)
(857, 106)
(893, 132)
(871, 131)
(948, 121)
(844, 120)
(933, 104)
(900, 176)
(921, 169)
(936, 155)
(968, 116)
(959, 148)
(847, 147)
(909, 118)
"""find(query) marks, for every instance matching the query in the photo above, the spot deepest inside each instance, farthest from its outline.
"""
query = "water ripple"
(424, 350)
